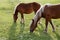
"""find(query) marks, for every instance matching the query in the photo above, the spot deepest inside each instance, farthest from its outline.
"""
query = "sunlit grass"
(12, 31)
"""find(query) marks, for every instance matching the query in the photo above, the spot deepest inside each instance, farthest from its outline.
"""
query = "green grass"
(12, 31)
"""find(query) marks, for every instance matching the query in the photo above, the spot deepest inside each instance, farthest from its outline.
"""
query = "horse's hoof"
(21, 22)
(14, 21)
(45, 31)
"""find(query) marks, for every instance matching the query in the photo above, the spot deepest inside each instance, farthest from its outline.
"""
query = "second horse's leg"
(52, 26)
(46, 23)
(22, 18)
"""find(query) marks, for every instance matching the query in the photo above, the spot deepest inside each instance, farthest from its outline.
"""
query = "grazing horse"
(25, 8)
(48, 12)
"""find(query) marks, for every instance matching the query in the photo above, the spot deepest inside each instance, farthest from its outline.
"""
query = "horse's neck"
(35, 17)
(42, 8)
(39, 13)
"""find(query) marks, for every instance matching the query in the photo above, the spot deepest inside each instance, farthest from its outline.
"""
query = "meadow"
(17, 31)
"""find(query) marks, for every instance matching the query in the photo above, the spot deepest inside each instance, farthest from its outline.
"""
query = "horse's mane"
(40, 10)
(49, 4)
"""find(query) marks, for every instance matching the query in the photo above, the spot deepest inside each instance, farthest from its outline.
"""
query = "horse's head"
(36, 19)
(33, 25)
(15, 17)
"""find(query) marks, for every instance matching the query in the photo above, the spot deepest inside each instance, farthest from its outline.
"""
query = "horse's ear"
(32, 20)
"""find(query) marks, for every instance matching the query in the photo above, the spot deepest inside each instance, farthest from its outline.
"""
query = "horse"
(48, 12)
(25, 8)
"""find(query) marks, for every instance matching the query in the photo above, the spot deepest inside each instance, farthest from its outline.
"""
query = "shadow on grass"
(43, 35)
(33, 36)
(20, 35)
(24, 35)
(12, 32)
(22, 26)
(57, 35)
(27, 36)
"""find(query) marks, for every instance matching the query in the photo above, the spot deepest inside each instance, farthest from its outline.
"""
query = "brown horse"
(48, 12)
(26, 8)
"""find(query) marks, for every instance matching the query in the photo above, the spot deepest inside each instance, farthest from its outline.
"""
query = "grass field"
(12, 31)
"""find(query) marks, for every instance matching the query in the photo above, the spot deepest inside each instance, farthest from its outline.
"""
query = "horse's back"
(23, 7)
(53, 10)
(28, 7)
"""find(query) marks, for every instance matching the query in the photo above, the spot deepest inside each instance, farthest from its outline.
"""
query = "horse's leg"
(52, 25)
(46, 23)
(22, 18)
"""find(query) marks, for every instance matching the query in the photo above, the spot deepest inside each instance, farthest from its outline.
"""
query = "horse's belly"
(56, 17)
(28, 11)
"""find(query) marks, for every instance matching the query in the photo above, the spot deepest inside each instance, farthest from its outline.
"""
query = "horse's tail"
(15, 15)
